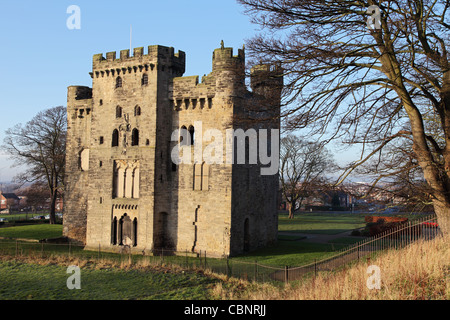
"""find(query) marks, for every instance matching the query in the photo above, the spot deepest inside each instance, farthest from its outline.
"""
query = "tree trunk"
(53, 208)
(443, 216)
(291, 210)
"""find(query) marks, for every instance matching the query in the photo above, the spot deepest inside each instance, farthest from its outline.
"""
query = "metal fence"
(395, 238)
(398, 237)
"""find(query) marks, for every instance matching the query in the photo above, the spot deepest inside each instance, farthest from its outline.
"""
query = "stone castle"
(123, 190)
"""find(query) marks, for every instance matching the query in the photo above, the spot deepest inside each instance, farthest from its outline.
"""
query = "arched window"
(135, 232)
(115, 138)
(118, 82)
(137, 111)
(144, 80)
(135, 137)
(114, 231)
(118, 112)
(191, 135)
(183, 136)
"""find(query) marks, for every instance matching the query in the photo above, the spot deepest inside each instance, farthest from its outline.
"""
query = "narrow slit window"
(183, 136)
(135, 137)
(119, 82)
(144, 80)
(115, 138)
(191, 135)
(137, 111)
(118, 112)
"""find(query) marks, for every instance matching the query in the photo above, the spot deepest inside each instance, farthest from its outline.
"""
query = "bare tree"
(36, 195)
(40, 146)
(365, 73)
(303, 166)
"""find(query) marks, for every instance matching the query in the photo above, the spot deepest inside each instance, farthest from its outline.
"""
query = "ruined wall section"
(79, 113)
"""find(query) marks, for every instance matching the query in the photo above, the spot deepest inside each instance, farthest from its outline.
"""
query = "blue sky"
(41, 57)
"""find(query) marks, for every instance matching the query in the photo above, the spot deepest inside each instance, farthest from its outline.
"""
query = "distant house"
(9, 201)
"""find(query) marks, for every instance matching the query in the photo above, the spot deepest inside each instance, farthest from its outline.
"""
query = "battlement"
(266, 75)
(79, 93)
(156, 55)
(223, 59)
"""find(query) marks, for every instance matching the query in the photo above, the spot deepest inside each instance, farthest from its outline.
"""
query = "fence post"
(315, 268)
(410, 233)
(228, 269)
(357, 250)
(286, 274)
(205, 259)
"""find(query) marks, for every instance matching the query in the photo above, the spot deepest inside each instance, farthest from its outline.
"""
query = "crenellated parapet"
(79, 93)
(227, 78)
(223, 59)
(157, 58)
(266, 80)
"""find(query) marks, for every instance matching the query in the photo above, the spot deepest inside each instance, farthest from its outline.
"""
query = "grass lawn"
(19, 281)
(290, 250)
(290, 253)
(320, 223)
(36, 231)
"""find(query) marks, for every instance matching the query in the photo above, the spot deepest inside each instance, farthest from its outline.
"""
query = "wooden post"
(315, 268)
(286, 274)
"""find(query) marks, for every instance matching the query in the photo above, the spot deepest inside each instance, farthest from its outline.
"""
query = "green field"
(19, 280)
(22, 281)
(290, 250)
(320, 223)
(35, 232)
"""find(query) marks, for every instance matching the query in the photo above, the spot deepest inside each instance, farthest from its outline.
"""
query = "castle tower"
(124, 190)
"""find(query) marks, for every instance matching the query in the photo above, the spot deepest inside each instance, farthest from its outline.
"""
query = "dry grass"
(96, 264)
(418, 272)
